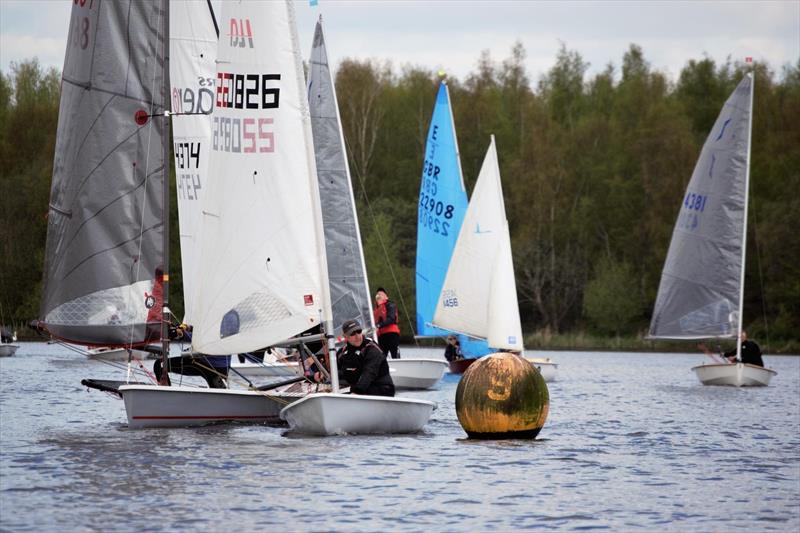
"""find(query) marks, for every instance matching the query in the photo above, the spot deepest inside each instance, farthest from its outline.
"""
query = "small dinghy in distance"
(416, 373)
(546, 367)
(702, 284)
(734, 374)
(105, 353)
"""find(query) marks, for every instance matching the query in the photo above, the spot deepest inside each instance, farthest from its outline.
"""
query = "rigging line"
(760, 272)
(164, 167)
(386, 256)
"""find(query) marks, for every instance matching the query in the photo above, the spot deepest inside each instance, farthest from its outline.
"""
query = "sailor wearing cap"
(362, 364)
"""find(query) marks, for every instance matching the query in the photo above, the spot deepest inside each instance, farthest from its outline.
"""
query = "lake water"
(633, 441)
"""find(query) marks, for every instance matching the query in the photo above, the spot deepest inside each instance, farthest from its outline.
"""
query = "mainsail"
(700, 291)
(350, 297)
(262, 259)
(442, 204)
(481, 265)
(193, 53)
(104, 248)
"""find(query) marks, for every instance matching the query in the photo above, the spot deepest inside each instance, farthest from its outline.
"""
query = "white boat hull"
(150, 406)
(114, 354)
(416, 373)
(7, 350)
(734, 374)
(266, 370)
(340, 414)
(547, 368)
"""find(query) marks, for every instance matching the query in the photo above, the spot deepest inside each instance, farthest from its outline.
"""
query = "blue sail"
(440, 212)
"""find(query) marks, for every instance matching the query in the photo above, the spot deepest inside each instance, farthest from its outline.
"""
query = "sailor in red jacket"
(385, 315)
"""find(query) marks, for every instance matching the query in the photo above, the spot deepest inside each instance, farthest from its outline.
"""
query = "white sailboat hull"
(736, 375)
(114, 354)
(547, 368)
(340, 414)
(7, 350)
(149, 406)
(416, 373)
(266, 370)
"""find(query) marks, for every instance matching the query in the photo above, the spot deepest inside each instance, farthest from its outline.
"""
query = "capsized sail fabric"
(701, 281)
(105, 221)
(350, 296)
(440, 213)
(466, 300)
(259, 274)
(193, 69)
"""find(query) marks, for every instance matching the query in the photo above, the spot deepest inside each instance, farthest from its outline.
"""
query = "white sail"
(504, 327)
(464, 305)
(192, 70)
(260, 274)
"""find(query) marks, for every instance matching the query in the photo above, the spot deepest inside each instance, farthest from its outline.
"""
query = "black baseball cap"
(350, 327)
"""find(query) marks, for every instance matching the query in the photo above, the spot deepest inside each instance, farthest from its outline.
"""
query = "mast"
(744, 228)
(327, 312)
(165, 198)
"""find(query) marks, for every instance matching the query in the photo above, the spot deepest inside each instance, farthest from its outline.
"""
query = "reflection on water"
(632, 441)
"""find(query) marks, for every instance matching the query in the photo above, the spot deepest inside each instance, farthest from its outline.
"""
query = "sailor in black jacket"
(363, 364)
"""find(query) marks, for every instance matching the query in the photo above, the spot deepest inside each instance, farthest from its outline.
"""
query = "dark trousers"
(390, 344)
(193, 366)
(378, 390)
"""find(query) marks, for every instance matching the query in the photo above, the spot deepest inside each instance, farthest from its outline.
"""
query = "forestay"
(105, 222)
(260, 268)
(699, 294)
(350, 296)
(193, 53)
(482, 264)
(440, 213)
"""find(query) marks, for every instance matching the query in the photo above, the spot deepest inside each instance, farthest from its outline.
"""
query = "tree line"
(593, 167)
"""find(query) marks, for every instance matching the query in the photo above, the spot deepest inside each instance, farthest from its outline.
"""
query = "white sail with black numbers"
(350, 297)
(260, 267)
(105, 222)
(699, 294)
(193, 53)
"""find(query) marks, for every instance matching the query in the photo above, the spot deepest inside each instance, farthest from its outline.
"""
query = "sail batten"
(701, 284)
(105, 249)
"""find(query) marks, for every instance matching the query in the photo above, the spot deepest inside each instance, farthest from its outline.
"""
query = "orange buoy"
(502, 396)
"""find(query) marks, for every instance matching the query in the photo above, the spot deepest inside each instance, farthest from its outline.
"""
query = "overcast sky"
(450, 34)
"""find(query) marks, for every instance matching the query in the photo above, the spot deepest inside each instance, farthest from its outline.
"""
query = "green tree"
(612, 300)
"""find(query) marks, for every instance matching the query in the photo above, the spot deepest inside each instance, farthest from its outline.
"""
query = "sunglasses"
(356, 332)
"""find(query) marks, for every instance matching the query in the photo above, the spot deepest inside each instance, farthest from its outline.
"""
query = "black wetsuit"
(751, 353)
(365, 369)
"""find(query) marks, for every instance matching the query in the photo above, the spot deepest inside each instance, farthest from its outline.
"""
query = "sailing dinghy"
(7, 340)
(702, 284)
(337, 413)
(442, 204)
(479, 294)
